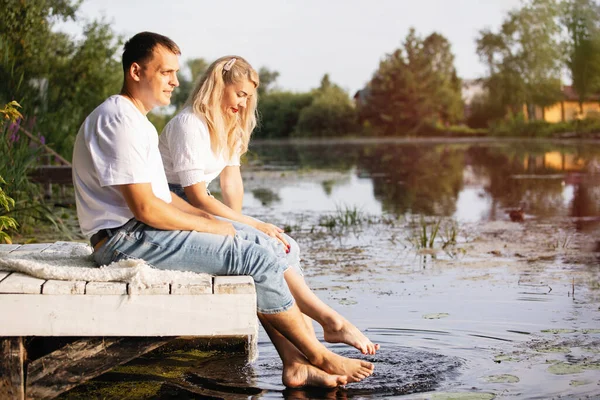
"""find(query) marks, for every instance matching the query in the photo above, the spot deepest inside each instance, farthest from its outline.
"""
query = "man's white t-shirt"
(115, 145)
(186, 152)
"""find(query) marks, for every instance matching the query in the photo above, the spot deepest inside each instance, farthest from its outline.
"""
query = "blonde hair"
(228, 133)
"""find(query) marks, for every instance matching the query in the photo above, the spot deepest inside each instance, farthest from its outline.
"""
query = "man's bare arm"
(151, 210)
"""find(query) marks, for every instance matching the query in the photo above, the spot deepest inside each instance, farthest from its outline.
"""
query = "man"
(124, 205)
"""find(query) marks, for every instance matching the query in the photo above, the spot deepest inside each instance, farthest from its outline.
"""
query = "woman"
(205, 140)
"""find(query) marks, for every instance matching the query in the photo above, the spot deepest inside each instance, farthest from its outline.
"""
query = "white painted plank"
(66, 247)
(4, 274)
(116, 288)
(21, 283)
(7, 248)
(234, 285)
(31, 248)
(198, 285)
(158, 315)
(63, 287)
(157, 288)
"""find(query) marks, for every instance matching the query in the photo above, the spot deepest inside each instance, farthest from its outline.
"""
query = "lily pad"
(554, 349)
(436, 316)
(579, 383)
(460, 396)
(557, 331)
(593, 365)
(504, 378)
(590, 331)
(565, 369)
(505, 357)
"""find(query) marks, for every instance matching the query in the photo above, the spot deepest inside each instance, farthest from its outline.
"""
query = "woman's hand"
(275, 232)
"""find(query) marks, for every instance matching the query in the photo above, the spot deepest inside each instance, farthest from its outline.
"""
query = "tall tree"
(415, 86)
(525, 57)
(582, 20)
(267, 80)
(193, 70)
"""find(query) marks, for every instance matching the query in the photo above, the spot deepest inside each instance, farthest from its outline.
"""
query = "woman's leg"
(336, 328)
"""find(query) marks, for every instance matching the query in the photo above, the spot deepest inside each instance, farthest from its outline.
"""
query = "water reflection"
(470, 182)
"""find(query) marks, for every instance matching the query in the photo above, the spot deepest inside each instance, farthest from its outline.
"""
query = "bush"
(279, 113)
(330, 114)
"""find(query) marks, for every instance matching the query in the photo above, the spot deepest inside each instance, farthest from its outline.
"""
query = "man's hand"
(221, 228)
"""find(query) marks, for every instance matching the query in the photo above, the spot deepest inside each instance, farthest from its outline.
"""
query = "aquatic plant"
(19, 158)
(6, 222)
(345, 216)
(562, 242)
(422, 237)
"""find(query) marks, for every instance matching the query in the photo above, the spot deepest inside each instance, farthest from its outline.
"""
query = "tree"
(330, 114)
(60, 79)
(267, 80)
(279, 113)
(416, 86)
(193, 70)
(582, 21)
(524, 58)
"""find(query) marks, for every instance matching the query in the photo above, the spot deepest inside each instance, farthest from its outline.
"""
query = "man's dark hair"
(139, 48)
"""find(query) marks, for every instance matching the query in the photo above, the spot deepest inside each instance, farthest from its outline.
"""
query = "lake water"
(500, 300)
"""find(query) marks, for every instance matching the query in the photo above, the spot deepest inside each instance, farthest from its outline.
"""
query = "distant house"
(360, 97)
(471, 89)
(568, 108)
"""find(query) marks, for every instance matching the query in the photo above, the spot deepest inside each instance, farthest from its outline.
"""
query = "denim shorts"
(292, 258)
(204, 252)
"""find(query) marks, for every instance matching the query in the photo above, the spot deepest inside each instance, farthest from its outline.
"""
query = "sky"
(304, 39)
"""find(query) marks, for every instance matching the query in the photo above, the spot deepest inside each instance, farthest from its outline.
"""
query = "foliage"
(415, 86)
(518, 127)
(279, 113)
(345, 216)
(524, 58)
(192, 71)
(19, 157)
(267, 80)
(330, 114)
(582, 21)
(6, 222)
(62, 79)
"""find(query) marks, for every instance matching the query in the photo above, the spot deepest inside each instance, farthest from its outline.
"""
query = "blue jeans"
(204, 252)
(292, 258)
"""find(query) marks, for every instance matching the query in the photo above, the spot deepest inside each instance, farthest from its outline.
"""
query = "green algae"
(113, 390)
(436, 316)
(563, 368)
(504, 378)
(579, 383)
(557, 331)
(554, 349)
(461, 396)
(590, 331)
(505, 357)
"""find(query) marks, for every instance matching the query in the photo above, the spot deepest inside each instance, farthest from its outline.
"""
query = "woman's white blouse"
(186, 153)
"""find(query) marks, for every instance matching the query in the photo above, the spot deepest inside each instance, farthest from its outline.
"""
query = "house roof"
(571, 94)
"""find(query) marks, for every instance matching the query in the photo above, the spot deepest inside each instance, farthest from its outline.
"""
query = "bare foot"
(301, 373)
(355, 370)
(344, 332)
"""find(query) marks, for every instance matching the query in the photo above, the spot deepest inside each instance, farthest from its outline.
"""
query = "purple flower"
(42, 139)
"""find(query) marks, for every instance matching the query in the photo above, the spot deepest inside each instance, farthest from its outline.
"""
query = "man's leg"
(224, 255)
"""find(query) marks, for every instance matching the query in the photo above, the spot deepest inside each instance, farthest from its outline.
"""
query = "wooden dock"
(119, 323)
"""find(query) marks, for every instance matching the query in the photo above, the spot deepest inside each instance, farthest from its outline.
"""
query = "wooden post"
(12, 370)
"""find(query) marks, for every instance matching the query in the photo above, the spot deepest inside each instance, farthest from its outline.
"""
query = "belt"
(102, 234)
